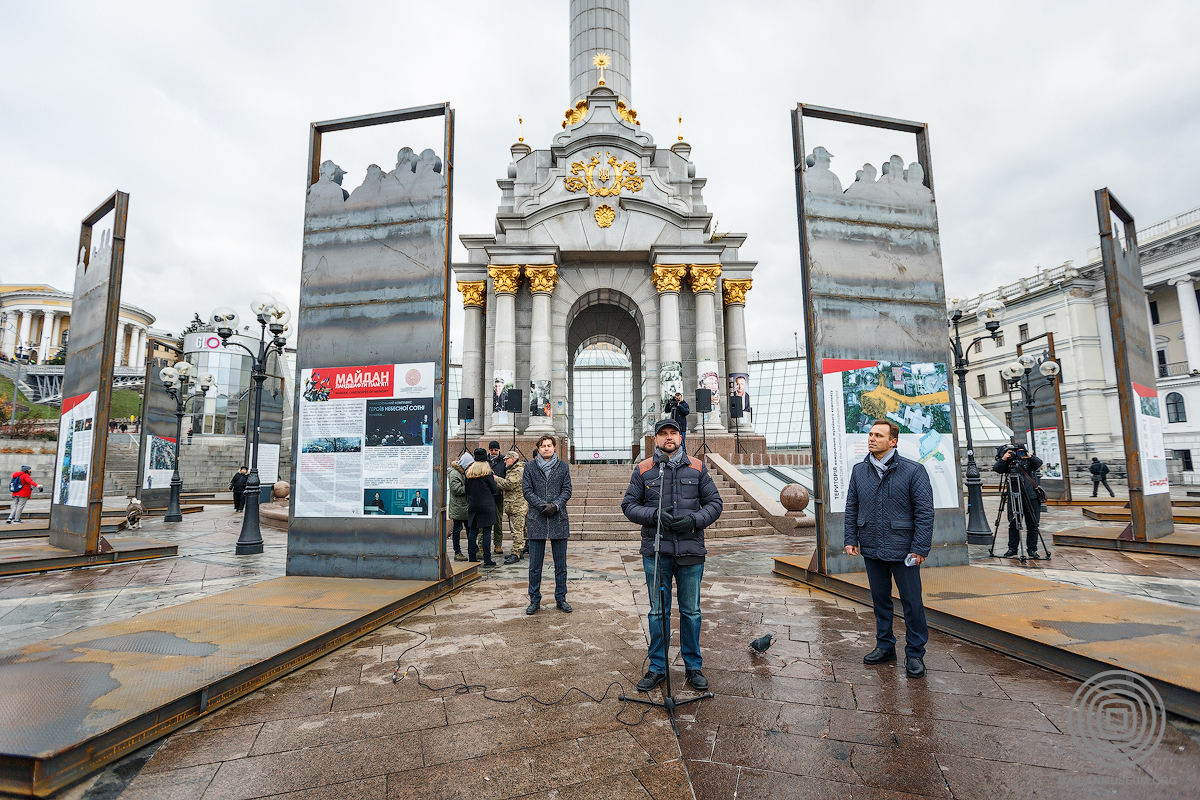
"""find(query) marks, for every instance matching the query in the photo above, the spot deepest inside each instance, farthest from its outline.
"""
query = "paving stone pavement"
(808, 719)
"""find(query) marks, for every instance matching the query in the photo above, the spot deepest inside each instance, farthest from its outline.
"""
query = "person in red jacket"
(23, 487)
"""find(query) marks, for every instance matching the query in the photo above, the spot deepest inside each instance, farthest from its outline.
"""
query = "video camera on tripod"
(1014, 499)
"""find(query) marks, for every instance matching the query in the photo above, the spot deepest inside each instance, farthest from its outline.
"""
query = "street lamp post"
(272, 316)
(991, 312)
(176, 384)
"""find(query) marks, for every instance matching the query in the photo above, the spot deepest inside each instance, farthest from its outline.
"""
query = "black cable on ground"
(466, 688)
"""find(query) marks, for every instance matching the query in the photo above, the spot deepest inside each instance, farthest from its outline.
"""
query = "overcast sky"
(201, 113)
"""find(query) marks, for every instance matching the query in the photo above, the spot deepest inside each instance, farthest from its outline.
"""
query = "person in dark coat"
(1099, 472)
(546, 485)
(889, 522)
(237, 484)
(677, 409)
(482, 496)
(690, 503)
(1019, 463)
(500, 470)
(456, 506)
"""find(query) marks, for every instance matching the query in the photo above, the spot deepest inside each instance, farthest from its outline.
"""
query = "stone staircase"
(595, 507)
(120, 467)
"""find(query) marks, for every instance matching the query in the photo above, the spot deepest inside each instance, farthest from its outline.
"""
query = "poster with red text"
(1150, 441)
(366, 446)
(75, 436)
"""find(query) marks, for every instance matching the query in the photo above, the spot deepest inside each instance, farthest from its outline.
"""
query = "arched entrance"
(605, 378)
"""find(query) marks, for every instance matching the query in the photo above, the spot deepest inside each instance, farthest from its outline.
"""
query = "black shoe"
(915, 667)
(511, 559)
(879, 655)
(1010, 554)
(1033, 554)
(650, 680)
(489, 563)
(524, 551)
(563, 605)
(696, 680)
(532, 608)
(473, 560)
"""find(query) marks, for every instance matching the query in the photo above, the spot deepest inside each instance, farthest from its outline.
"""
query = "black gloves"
(680, 526)
(549, 510)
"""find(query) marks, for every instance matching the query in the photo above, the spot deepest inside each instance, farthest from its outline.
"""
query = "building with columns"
(602, 238)
(37, 318)
(1070, 303)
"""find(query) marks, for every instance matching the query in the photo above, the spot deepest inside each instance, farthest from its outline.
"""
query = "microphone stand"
(668, 702)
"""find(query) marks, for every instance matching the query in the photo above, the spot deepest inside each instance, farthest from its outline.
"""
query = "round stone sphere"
(281, 489)
(794, 497)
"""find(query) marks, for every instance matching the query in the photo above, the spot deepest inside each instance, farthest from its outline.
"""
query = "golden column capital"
(542, 278)
(704, 277)
(735, 291)
(474, 293)
(506, 279)
(667, 277)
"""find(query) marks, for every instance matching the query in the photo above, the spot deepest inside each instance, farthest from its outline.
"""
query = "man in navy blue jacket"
(889, 521)
(690, 503)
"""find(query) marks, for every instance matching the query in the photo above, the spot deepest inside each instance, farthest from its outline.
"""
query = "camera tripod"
(1012, 498)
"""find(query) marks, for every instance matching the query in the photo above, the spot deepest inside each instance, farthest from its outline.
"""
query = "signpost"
(368, 439)
(78, 485)
(875, 307)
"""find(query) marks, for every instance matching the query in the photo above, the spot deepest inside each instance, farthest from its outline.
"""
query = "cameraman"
(1020, 467)
(677, 409)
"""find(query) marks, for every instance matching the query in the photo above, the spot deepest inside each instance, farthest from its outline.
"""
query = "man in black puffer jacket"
(889, 522)
(690, 503)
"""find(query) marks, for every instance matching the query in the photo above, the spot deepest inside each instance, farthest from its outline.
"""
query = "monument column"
(56, 333)
(1189, 314)
(118, 359)
(505, 280)
(737, 358)
(26, 327)
(542, 280)
(49, 323)
(474, 305)
(666, 279)
(704, 286)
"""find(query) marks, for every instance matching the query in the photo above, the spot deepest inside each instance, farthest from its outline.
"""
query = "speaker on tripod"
(513, 405)
(703, 401)
(735, 416)
(466, 409)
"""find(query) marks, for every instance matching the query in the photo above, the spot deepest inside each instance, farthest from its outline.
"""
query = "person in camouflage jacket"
(515, 507)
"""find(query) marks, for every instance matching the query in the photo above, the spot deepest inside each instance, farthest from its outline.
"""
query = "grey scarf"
(547, 464)
(677, 459)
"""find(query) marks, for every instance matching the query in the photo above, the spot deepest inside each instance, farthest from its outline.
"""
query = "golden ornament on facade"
(541, 278)
(575, 114)
(735, 291)
(704, 277)
(668, 277)
(474, 293)
(505, 279)
(623, 174)
(627, 114)
(605, 215)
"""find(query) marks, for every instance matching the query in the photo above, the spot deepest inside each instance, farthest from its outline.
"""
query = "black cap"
(480, 454)
(667, 423)
(493, 445)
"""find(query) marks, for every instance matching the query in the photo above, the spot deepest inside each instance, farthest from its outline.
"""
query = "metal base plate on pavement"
(19, 557)
(72, 704)
(1067, 629)
(1179, 543)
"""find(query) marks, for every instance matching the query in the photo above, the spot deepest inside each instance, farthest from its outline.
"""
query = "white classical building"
(1070, 302)
(37, 318)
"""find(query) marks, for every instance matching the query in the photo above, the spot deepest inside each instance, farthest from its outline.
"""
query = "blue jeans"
(688, 580)
(537, 554)
(908, 584)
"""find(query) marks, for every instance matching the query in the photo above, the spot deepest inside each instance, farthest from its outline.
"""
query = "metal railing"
(1042, 279)
(1173, 369)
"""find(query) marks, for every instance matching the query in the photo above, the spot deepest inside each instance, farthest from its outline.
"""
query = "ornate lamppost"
(1020, 376)
(176, 384)
(991, 312)
(272, 316)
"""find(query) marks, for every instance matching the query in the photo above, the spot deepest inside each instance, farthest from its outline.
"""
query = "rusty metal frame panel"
(1133, 351)
(158, 419)
(94, 309)
(845, 317)
(361, 316)
(1065, 494)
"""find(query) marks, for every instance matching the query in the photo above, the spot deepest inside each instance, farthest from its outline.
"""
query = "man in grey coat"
(889, 522)
(546, 486)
